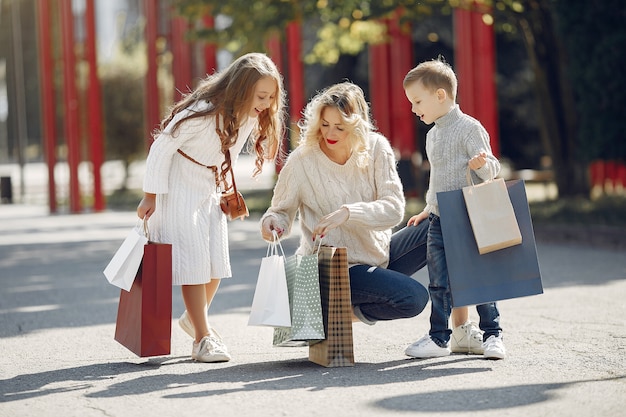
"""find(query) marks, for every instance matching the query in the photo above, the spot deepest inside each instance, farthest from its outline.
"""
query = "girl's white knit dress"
(187, 212)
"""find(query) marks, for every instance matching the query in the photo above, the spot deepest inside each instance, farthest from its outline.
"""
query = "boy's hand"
(478, 161)
(415, 220)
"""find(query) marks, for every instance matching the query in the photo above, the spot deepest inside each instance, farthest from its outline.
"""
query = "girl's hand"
(415, 220)
(146, 206)
(331, 221)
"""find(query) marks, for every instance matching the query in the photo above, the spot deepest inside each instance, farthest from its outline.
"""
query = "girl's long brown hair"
(231, 93)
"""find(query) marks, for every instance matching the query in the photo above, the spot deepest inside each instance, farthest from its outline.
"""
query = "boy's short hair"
(433, 75)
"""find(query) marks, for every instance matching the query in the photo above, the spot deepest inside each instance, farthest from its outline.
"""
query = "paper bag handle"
(470, 181)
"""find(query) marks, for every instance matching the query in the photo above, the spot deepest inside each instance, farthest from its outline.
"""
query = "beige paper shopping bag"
(491, 216)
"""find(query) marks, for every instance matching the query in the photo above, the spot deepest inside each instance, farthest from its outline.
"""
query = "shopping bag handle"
(272, 247)
(470, 181)
(146, 232)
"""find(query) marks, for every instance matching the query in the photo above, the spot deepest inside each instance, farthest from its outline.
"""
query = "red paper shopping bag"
(144, 315)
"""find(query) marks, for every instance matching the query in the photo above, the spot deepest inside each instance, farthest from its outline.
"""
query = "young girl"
(181, 200)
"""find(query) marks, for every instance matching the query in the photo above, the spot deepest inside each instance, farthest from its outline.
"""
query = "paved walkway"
(567, 347)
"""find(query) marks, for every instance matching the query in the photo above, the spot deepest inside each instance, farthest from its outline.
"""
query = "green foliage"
(342, 26)
(595, 38)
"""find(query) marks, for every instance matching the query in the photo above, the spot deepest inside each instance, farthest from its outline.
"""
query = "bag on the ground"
(503, 274)
(144, 315)
(303, 285)
(270, 304)
(337, 348)
(122, 268)
(491, 215)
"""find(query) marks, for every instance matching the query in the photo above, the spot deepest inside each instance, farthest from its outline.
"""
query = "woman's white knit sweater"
(450, 144)
(313, 186)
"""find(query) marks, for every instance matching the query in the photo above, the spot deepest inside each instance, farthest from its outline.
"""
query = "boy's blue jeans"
(390, 293)
(439, 289)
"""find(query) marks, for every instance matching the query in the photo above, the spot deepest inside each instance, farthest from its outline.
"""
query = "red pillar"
(210, 49)
(181, 51)
(47, 97)
(152, 110)
(476, 71)
(379, 84)
(296, 72)
(401, 61)
(71, 102)
(94, 106)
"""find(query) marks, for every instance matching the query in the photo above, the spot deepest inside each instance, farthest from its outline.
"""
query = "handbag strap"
(215, 170)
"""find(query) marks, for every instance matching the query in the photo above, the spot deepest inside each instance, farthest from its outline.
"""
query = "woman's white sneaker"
(426, 348)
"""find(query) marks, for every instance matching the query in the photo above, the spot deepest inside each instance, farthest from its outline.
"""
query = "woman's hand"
(331, 221)
(268, 227)
(415, 220)
(146, 206)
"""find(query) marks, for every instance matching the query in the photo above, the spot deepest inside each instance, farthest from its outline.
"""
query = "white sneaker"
(186, 325)
(467, 338)
(210, 349)
(494, 348)
(426, 348)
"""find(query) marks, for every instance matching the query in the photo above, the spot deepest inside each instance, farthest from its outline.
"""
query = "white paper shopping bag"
(270, 305)
(123, 267)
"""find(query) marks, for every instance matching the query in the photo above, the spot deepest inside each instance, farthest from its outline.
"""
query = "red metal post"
(296, 72)
(71, 102)
(210, 49)
(401, 60)
(475, 67)
(47, 97)
(379, 84)
(181, 51)
(94, 106)
(152, 108)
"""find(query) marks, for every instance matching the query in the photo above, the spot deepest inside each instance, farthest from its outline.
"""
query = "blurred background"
(84, 83)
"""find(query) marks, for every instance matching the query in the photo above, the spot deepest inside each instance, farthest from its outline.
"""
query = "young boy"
(454, 143)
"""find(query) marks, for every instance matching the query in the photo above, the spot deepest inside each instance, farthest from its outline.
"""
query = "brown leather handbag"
(231, 202)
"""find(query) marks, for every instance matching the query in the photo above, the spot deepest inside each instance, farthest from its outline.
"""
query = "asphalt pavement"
(566, 347)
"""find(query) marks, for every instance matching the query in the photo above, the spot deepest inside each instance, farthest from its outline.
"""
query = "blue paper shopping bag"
(507, 273)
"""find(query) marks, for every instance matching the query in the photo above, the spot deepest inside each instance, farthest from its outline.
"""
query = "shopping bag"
(337, 348)
(144, 315)
(508, 273)
(303, 285)
(491, 215)
(122, 268)
(270, 304)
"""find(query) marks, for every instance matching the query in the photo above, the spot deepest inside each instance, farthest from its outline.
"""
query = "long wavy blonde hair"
(349, 100)
(231, 94)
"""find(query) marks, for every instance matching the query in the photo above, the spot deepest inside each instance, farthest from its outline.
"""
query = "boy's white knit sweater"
(313, 186)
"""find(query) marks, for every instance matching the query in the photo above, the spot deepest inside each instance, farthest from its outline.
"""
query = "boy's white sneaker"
(467, 338)
(426, 348)
(494, 348)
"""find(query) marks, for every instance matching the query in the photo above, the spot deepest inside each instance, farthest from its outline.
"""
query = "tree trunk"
(555, 99)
